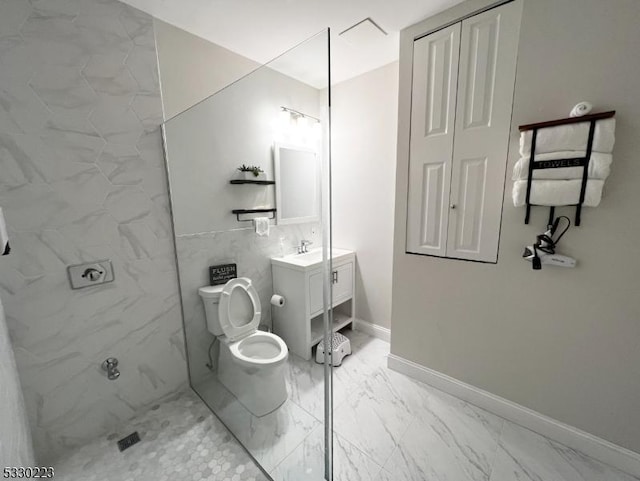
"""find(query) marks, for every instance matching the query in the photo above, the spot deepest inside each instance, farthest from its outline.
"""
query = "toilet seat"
(259, 349)
(232, 323)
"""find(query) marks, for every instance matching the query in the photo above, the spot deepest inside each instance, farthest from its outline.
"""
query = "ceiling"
(263, 29)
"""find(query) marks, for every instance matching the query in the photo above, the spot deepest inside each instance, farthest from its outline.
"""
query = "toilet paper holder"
(278, 301)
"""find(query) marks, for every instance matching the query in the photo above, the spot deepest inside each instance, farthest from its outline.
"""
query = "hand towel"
(557, 192)
(599, 167)
(570, 137)
(261, 225)
(4, 236)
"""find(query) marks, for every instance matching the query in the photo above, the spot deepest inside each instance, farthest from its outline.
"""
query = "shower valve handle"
(92, 274)
(110, 366)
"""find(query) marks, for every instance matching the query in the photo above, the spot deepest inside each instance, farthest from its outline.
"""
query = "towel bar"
(239, 212)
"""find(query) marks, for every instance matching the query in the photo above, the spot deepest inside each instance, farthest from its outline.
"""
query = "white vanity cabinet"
(298, 278)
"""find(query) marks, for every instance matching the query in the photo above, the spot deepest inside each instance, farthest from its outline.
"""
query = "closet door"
(433, 103)
(488, 51)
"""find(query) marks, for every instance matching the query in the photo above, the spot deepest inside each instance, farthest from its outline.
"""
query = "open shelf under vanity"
(341, 318)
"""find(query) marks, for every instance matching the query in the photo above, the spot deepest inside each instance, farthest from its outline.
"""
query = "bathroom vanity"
(298, 278)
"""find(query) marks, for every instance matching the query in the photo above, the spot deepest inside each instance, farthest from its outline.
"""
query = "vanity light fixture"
(298, 127)
(297, 115)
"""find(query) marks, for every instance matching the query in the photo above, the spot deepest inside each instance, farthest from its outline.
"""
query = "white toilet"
(251, 362)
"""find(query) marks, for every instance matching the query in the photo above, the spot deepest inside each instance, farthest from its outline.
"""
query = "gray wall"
(563, 342)
(83, 179)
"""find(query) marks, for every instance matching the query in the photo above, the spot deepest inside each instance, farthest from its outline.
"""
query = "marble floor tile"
(385, 475)
(526, 456)
(448, 440)
(387, 427)
(180, 439)
(369, 356)
(307, 461)
(373, 418)
(305, 385)
(273, 437)
(269, 438)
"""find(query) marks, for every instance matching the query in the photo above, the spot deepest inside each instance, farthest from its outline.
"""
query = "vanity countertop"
(309, 260)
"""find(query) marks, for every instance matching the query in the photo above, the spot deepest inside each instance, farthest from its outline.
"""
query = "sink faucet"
(304, 246)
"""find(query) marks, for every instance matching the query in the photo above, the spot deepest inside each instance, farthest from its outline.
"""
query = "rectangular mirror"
(297, 184)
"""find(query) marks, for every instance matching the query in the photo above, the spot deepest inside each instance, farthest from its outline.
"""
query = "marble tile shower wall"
(82, 178)
(252, 255)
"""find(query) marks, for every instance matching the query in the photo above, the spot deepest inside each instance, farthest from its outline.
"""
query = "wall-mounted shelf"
(567, 121)
(239, 212)
(255, 182)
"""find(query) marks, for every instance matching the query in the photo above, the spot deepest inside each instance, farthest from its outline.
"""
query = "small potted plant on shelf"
(251, 172)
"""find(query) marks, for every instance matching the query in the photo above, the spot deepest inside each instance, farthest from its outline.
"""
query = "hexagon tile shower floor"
(180, 439)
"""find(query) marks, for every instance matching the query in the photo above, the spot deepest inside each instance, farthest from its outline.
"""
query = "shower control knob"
(110, 366)
(92, 274)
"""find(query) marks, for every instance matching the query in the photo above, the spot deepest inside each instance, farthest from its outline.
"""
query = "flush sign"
(222, 274)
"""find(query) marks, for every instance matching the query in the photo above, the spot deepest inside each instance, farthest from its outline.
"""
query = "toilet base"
(261, 390)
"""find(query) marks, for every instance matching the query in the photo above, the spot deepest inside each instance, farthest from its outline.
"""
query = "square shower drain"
(128, 441)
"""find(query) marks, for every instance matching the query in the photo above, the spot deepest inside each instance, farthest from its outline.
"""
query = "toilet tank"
(211, 297)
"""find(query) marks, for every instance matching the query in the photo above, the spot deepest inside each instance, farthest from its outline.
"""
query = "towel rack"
(560, 163)
(239, 212)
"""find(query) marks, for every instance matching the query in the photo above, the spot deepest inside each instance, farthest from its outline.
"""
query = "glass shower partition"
(260, 148)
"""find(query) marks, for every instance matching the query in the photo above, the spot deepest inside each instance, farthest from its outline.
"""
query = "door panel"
(432, 198)
(315, 292)
(488, 54)
(435, 66)
(343, 283)
(481, 70)
(472, 184)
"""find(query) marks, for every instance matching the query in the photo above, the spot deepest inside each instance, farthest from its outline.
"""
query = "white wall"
(560, 341)
(364, 120)
(82, 178)
(192, 68)
(364, 133)
(205, 144)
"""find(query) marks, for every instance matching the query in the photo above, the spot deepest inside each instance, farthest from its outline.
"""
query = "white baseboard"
(372, 329)
(574, 438)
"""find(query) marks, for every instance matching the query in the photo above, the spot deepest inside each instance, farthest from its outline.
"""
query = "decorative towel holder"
(571, 162)
(239, 212)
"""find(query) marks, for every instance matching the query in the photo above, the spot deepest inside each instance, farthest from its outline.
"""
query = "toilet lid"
(239, 308)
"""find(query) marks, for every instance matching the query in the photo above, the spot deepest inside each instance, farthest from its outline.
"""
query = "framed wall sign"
(222, 274)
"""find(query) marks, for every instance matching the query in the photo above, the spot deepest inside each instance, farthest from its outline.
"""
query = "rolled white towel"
(557, 192)
(599, 167)
(570, 137)
(581, 109)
